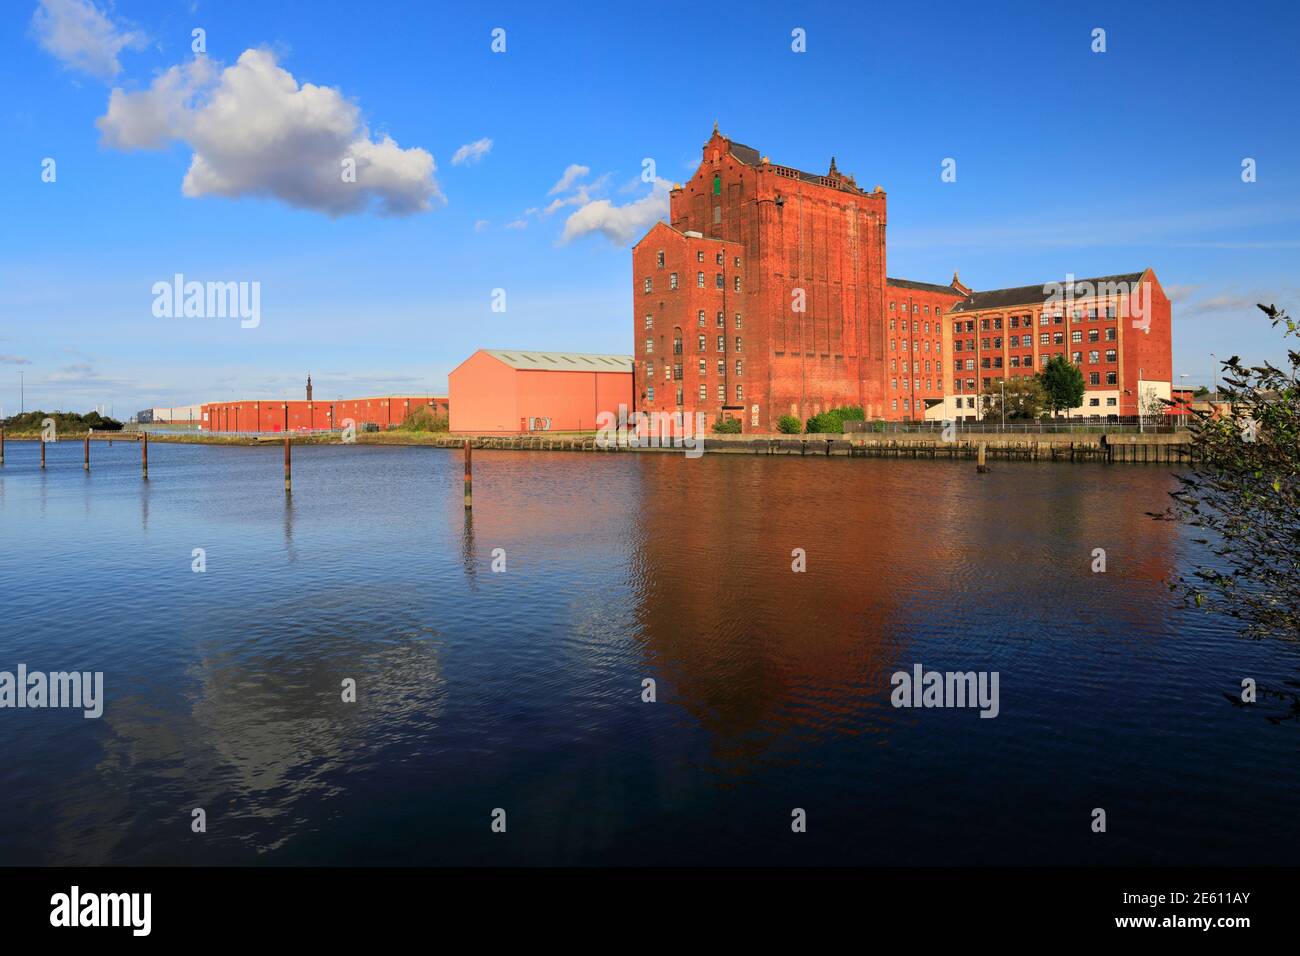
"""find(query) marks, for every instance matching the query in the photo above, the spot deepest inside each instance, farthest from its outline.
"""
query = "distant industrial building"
(177, 414)
(516, 391)
(278, 415)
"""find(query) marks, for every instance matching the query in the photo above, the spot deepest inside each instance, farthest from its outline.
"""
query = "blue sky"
(1068, 161)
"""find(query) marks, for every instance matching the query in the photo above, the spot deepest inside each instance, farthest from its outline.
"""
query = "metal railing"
(1155, 425)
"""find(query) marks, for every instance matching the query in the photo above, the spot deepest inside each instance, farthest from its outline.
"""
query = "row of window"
(648, 285)
(1025, 321)
(722, 322)
(916, 345)
(675, 371)
(699, 257)
(916, 366)
(916, 384)
(701, 342)
(704, 393)
(1094, 379)
(1026, 341)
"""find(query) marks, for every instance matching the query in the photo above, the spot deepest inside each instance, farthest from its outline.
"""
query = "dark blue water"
(522, 690)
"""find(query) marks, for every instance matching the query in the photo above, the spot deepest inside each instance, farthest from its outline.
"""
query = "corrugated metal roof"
(562, 361)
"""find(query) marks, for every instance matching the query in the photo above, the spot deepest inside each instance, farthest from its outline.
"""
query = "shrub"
(727, 426)
(424, 420)
(832, 420)
(789, 425)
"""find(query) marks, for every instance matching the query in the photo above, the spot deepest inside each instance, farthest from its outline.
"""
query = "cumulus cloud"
(255, 131)
(571, 176)
(619, 224)
(517, 224)
(82, 37)
(472, 152)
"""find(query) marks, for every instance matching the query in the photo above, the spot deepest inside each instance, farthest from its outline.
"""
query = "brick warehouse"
(767, 295)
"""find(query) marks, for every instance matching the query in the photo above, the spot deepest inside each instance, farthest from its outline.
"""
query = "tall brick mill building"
(766, 295)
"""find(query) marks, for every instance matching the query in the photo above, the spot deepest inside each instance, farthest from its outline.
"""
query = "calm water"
(521, 690)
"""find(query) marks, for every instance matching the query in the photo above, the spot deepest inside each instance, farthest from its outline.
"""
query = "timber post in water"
(980, 466)
(85, 461)
(144, 455)
(288, 468)
(42, 451)
(469, 476)
(2, 446)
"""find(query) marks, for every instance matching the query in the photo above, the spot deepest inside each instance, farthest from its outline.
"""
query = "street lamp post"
(1141, 421)
(1004, 403)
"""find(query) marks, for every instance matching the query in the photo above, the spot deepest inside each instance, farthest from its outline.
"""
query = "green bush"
(831, 421)
(789, 425)
(424, 420)
(727, 426)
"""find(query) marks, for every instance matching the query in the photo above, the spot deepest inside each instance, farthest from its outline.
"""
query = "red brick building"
(278, 415)
(766, 295)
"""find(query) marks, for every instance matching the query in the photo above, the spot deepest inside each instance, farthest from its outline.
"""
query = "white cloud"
(472, 152)
(517, 224)
(481, 225)
(619, 224)
(14, 360)
(571, 175)
(256, 132)
(82, 36)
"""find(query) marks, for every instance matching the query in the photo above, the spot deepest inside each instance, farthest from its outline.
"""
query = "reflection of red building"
(272, 415)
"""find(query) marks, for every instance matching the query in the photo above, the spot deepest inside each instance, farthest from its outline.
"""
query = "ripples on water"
(522, 690)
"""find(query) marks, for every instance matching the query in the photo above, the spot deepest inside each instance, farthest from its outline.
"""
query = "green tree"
(1062, 384)
(789, 425)
(1243, 493)
(1025, 398)
(831, 421)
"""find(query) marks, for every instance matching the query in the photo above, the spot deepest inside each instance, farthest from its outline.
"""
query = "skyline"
(515, 171)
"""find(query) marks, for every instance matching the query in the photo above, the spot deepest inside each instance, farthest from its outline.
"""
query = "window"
(649, 370)
(1058, 338)
(1094, 401)
(719, 258)
(1015, 361)
(649, 287)
(1093, 356)
(1110, 312)
(738, 323)
(737, 343)
(649, 321)
(722, 323)
(650, 392)
(700, 340)
(679, 396)
(649, 346)
(737, 283)
(1076, 358)
(1111, 378)
(997, 324)
(660, 258)
(718, 280)
(699, 255)
(1110, 403)
(1093, 335)
(704, 370)
(717, 215)
(1076, 336)
(737, 262)
(997, 361)
(984, 325)
(722, 369)
(1110, 355)
(722, 343)
(1029, 361)
(740, 393)
(677, 344)
(699, 279)
(677, 376)
(1094, 378)
(700, 319)
(1042, 318)
(740, 370)
(704, 392)
(926, 311)
(1092, 314)
(984, 344)
(892, 307)
(1110, 334)
(722, 392)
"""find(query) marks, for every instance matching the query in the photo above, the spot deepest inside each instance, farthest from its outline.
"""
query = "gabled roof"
(923, 286)
(561, 361)
(1030, 294)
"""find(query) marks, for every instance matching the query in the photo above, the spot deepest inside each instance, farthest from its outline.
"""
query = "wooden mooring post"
(288, 468)
(2, 446)
(469, 476)
(42, 451)
(980, 465)
(144, 455)
(85, 460)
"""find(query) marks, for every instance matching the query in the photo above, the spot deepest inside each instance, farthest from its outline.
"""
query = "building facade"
(278, 415)
(765, 294)
(517, 391)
